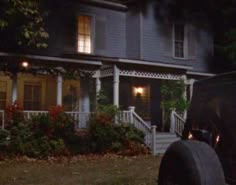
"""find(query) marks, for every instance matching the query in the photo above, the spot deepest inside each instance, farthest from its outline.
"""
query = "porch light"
(25, 64)
(138, 90)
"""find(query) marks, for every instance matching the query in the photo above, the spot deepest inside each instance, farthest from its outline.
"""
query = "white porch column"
(98, 82)
(14, 89)
(84, 100)
(116, 79)
(59, 90)
(191, 88)
(184, 78)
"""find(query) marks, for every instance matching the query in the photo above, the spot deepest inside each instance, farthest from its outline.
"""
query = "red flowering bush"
(103, 119)
(14, 114)
(55, 111)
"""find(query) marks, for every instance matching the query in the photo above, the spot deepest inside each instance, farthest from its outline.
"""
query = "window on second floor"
(179, 40)
(84, 44)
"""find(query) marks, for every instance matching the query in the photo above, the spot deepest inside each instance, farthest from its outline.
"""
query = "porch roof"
(50, 58)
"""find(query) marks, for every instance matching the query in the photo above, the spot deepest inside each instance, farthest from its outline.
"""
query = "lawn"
(107, 170)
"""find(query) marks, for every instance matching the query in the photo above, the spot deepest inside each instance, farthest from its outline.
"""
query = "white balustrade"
(177, 123)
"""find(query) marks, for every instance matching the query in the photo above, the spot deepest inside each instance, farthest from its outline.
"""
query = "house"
(129, 54)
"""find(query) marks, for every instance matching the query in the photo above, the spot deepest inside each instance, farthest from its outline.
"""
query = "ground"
(83, 170)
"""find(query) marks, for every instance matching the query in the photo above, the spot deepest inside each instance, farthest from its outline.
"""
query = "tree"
(24, 21)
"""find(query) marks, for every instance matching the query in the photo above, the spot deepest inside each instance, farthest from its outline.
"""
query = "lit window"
(179, 40)
(84, 34)
(3, 95)
(32, 96)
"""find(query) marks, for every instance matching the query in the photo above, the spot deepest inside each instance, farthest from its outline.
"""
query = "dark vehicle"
(207, 153)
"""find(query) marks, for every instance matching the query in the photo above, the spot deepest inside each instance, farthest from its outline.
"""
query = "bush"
(101, 133)
(105, 135)
(4, 139)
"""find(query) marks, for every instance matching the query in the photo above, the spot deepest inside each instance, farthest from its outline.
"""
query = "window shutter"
(70, 35)
(167, 40)
(191, 45)
(100, 36)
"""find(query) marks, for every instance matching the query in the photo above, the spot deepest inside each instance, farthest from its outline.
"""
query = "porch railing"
(80, 118)
(132, 117)
(176, 123)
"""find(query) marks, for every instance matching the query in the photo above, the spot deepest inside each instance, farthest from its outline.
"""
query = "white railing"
(132, 117)
(176, 123)
(80, 118)
(28, 114)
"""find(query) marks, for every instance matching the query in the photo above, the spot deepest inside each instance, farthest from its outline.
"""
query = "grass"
(113, 170)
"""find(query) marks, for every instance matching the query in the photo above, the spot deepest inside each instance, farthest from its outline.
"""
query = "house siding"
(122, 34)
(158, 43)
(108, 30)
(133, 35)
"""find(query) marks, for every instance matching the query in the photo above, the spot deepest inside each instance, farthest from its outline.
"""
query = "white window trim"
(185, 42)
(92, 33)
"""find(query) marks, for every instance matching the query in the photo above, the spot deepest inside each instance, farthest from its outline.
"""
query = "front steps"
(163, 141)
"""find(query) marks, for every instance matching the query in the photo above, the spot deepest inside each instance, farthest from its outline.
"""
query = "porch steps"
(163, 141)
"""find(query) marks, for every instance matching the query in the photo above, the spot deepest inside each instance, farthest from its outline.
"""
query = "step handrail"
(177, 123)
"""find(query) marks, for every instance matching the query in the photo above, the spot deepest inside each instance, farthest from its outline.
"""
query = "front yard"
(83, 170)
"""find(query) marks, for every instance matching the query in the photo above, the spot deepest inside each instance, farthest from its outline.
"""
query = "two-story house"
(128, 53)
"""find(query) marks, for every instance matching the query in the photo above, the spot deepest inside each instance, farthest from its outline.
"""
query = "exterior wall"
(48, 90)
(108, 30)
(158, 43)
(133, 35)
(6, 80)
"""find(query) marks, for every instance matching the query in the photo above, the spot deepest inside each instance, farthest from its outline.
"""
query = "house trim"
(200, 73)
(108, 72)
(48, 58)
(142, 62)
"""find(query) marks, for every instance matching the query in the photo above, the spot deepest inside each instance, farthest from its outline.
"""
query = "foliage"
(172, 97)
(14, 114)
(25, 21)
(106, 135)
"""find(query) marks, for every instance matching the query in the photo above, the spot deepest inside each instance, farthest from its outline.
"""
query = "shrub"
(14, 114)
(127, 132)
(101, 133)
(4, 140)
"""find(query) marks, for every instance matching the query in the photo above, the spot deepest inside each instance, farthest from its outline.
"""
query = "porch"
(156, 141)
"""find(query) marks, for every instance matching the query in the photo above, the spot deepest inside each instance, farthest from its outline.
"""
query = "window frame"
(185, 41)
(32, 102)
(4, 101)
(91, 34)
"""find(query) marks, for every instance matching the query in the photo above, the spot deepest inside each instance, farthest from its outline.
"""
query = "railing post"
(154, 139)
(131, 109)
(172, 121)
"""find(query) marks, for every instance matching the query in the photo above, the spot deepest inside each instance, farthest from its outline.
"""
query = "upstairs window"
(32, 96)
(179, 41)
(84, 34)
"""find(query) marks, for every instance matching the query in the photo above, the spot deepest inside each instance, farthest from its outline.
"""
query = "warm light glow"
(138, 90)
(217, 139)
(190, 136)
(25, 64)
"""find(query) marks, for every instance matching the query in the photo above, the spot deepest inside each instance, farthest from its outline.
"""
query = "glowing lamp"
(25, 64)
(138, 90)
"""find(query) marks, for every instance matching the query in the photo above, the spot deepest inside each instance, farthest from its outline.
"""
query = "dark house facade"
(129, 55)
